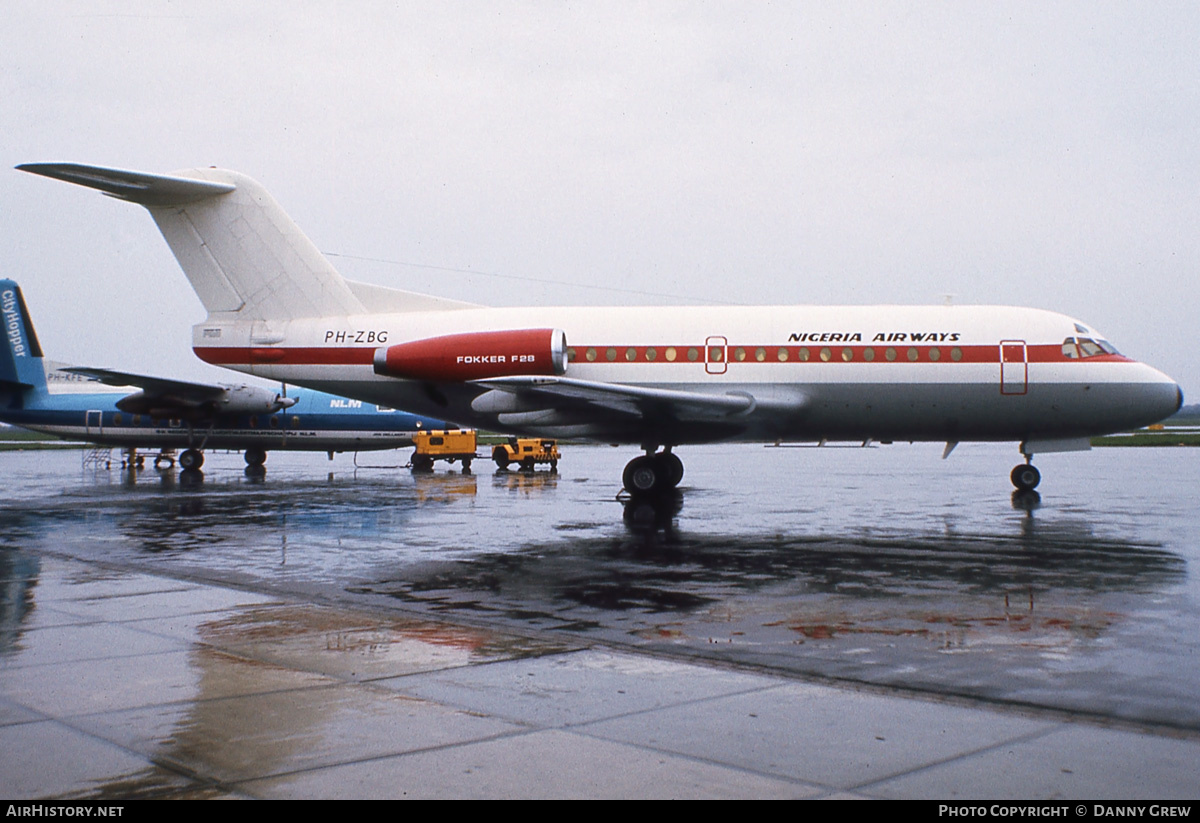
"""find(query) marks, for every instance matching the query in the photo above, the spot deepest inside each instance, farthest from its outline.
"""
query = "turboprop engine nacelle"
(252, 400)
(231, 400)
(476, 356)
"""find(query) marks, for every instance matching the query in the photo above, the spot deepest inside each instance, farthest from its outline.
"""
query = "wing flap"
(640, 401)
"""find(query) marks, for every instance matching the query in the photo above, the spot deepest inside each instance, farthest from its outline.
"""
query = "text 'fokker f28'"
(657, 378)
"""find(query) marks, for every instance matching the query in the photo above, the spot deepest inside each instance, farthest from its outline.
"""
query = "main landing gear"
(191, 460)
(653, 473)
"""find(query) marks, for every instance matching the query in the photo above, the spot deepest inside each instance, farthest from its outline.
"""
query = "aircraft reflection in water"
(18, 577)
(154, 412)
(991, 615)
(651, 377)
(1059, 607)
(271, 722)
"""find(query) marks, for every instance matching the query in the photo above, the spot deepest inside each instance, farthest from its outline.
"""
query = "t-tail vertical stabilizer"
(21, 360)
(246, 259)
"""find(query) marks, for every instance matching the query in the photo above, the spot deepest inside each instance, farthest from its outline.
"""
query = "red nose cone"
(476, 356)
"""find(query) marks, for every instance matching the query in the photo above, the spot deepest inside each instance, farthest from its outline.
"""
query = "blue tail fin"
(21, 357)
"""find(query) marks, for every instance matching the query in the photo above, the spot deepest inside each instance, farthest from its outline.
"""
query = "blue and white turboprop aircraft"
(131, 411)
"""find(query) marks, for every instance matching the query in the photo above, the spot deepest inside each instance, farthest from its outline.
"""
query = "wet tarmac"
(859, 574)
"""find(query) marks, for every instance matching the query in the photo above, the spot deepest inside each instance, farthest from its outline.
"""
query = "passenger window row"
(758, 354)
(116, 419)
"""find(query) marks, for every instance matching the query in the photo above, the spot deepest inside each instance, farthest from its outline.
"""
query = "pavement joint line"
(1024, 737)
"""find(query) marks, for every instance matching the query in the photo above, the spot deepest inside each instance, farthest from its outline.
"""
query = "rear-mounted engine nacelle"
(476, 356)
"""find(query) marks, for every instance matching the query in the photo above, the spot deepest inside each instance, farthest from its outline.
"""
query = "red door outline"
(1014, 367)
(716, 355)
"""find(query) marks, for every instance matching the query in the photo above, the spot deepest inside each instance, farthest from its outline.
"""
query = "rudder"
(21, 358)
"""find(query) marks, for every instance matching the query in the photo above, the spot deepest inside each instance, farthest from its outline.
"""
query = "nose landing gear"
(1025, 477)
(652, 473)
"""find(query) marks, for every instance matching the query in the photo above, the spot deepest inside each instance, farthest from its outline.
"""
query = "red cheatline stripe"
(308, 356)
(364, 355)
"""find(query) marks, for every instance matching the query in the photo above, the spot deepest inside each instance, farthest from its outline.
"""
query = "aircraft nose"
(1160, 395)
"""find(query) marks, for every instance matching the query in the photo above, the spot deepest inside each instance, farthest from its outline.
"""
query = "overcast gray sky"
(1040, 154)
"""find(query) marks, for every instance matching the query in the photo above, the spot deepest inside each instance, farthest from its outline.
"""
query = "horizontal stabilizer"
(134, 186)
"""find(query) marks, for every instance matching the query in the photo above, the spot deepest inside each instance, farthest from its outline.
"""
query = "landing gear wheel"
(672, 466)
(652, 474)
(191, 459)
(1025, 477)
(255, 456)
(644, 475)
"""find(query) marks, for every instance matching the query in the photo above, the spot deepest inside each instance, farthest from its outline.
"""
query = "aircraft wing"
(639, 401)
(178, 390)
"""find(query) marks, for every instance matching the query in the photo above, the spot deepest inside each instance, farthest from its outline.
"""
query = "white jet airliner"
(657, 378)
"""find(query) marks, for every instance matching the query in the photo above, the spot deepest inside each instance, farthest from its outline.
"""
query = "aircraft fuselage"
(809, 373)
(315, 423)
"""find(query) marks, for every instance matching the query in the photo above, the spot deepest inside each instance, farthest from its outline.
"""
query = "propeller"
(283, 401)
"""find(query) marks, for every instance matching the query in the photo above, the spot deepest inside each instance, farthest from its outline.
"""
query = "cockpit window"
(1077, 347)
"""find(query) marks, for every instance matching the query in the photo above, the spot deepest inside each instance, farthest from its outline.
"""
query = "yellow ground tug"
(527, 452)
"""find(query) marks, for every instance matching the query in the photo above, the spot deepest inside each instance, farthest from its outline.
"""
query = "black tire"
(672, 468)
(255, 456)
(643, 475)
(422, 463)
(191, 460)
(1025, 477)
(501, 461)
